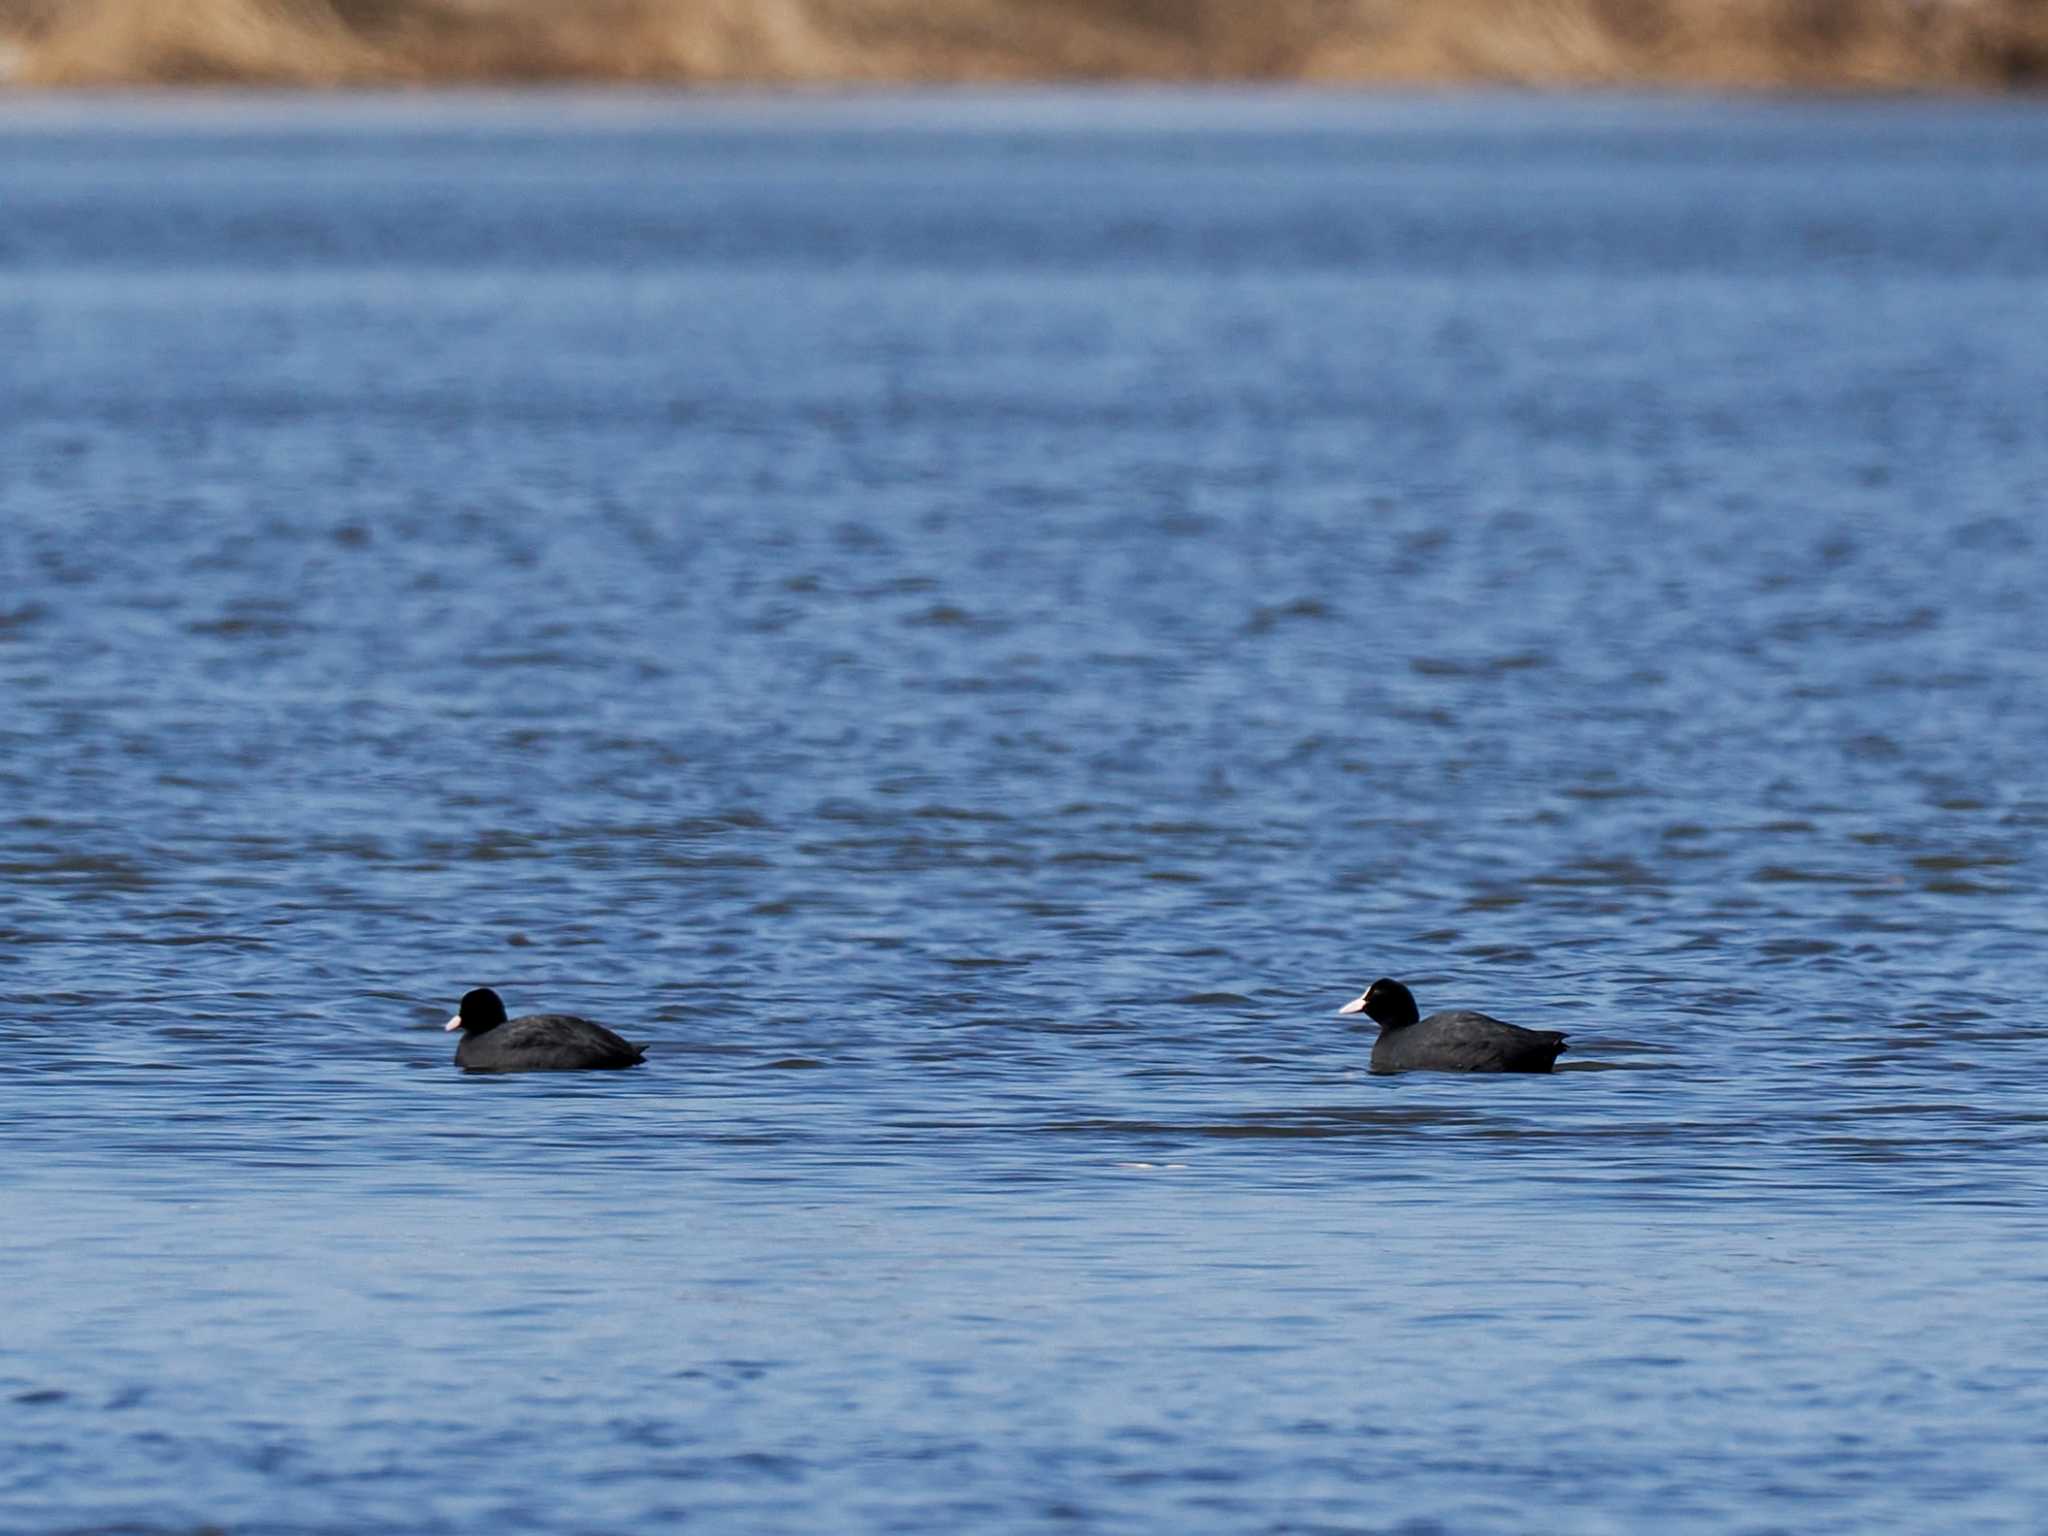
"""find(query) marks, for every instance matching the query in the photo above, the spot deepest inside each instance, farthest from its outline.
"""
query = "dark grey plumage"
(1456, 1041)
(539, 1042)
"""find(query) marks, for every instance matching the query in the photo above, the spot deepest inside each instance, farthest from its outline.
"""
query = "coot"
(1458, 1041)
(540, 1042)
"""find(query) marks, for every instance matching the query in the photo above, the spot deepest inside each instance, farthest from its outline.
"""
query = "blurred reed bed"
(1825, 44)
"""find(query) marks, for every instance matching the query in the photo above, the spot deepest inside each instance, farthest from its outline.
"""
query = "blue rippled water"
(972, 624)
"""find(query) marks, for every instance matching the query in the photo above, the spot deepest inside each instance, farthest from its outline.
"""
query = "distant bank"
(1973, 45)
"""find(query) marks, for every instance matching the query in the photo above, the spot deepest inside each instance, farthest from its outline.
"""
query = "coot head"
(1386, 1002)
(480, 1010)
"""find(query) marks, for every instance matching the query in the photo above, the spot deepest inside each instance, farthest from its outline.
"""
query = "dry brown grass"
(107, 42)
(1971, 44)
(1823, 44)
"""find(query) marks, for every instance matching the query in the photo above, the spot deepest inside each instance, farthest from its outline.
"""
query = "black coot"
(540, 1042)
(1459, 1041)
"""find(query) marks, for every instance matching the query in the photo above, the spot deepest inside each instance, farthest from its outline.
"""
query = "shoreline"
(1848, 48)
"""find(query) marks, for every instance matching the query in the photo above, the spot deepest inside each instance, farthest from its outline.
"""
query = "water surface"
(972, 624)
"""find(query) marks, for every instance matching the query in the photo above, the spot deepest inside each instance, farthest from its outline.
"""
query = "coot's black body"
(540, 1042)
(1457, 1041)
